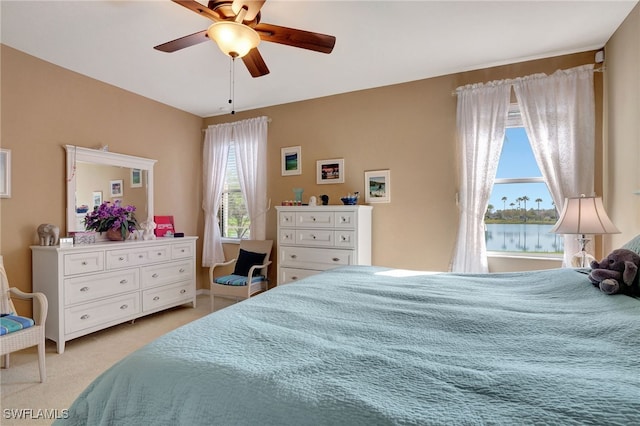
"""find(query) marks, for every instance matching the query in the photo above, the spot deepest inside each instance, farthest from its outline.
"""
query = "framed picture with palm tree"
(377, 185)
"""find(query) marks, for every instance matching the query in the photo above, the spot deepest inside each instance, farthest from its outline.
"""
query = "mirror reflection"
(95, 176)
(97, 183)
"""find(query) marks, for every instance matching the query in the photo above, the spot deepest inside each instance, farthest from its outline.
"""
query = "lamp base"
(582, 259)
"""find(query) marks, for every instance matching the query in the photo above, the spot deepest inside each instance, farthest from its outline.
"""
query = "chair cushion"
(11, 323)
(247, 259)
(236, 280)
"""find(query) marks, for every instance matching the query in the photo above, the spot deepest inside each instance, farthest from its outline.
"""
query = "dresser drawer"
(345, 239)
(182, 251)
(91, 287)
(314, 258)
(167, 273)
(345, 219)
(290, 275)
(137, 256)
(315, 219)
(82, 263)
(287, 219)
(98, 313)
(314, 237)
(159, 297)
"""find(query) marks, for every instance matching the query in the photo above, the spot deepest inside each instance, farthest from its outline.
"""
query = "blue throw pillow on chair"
(247, 259)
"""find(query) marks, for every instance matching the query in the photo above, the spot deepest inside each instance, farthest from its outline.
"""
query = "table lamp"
(584, 216)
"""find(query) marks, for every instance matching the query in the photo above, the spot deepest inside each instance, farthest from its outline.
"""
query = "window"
(521, 212)
(233, 217)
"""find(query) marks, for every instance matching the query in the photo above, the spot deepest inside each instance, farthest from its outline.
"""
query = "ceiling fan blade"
(182, 42)
(296, 38)
(200, 9)
(253, 8)
(255, 64)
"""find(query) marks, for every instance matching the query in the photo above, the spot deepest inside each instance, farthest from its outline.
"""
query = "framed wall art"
(5, 173)
(291, 160)
(377, 185)
(96, 196)
(136, 178)
(116, 188)
(330, 171)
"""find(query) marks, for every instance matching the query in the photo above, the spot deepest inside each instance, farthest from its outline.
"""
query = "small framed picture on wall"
(377, 185)
(97, 198)
(291, 160)
(330, 171)
(5, 173)
(116, 188)
(136, 178)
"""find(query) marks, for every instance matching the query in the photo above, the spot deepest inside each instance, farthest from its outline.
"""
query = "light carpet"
(26, 401)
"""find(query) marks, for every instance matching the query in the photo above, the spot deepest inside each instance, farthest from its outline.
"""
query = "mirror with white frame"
(95, 176)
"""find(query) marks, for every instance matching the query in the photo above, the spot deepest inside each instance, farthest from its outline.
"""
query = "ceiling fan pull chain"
(232, 83)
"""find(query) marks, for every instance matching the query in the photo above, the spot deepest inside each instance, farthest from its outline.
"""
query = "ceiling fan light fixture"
(233, 38)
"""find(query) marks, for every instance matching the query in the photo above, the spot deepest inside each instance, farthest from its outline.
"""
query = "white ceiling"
(378, 43)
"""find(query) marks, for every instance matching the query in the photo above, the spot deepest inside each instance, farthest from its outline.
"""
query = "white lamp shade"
(584, 215)
(233, 38)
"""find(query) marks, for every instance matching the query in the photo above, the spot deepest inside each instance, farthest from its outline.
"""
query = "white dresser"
(94, 286)
(314, 239)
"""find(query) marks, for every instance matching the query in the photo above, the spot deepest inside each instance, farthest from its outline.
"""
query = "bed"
(364, 345)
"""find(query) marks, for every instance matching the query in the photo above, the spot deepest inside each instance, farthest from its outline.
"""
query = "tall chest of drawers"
(314, 239)
(95, 286)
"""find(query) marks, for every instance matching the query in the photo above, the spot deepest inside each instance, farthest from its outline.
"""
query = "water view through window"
(520, 237)
(521, 212)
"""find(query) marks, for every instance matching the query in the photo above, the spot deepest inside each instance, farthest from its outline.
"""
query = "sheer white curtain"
(481, 123)
(250, 138)
(558, 112)
(217, 140)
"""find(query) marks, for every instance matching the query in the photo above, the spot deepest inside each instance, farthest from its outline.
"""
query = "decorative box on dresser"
(94, 286)
(314, 239)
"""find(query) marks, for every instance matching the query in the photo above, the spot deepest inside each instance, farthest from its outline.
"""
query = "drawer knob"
(123, 307)
(343, 238)
(159, 253)
(156, 298)
(140, 256)
(123, 281)
(181, 270)
(294, 278)
(154, 276)
(84, 289)
(121, 258)
(335, 259)
(183, 291)
(313, 236)
(313, 218)
(293, 256)
(84, 263)
(182, 251)
(84, 317)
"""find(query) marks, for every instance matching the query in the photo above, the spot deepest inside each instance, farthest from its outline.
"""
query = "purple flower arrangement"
(108, 216)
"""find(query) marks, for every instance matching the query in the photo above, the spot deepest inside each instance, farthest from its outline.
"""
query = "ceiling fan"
(242, 19)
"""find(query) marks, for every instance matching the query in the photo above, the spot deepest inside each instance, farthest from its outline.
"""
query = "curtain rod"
(268, 121)
(601, 69)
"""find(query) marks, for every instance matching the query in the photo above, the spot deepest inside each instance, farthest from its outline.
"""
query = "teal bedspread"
(376, 346)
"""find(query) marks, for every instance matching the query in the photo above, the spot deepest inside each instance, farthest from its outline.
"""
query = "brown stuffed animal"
(617, 273)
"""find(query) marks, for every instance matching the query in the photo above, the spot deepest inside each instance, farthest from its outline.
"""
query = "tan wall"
(407, 128)
(622, 130)
(45, 107)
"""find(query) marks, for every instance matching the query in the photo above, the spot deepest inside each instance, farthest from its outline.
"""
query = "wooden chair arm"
(40, 303)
